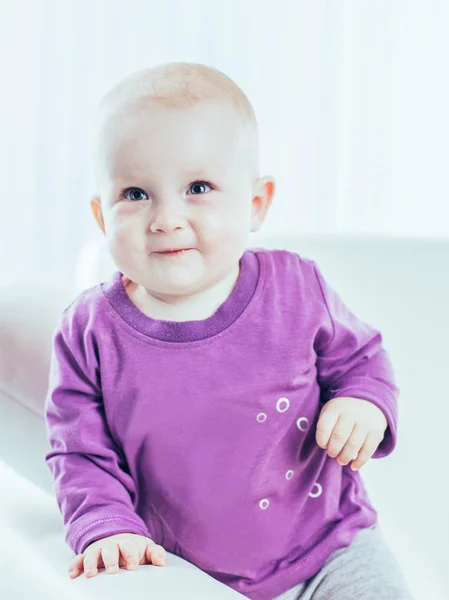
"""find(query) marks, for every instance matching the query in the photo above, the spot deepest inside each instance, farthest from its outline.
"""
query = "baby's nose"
(168, 217)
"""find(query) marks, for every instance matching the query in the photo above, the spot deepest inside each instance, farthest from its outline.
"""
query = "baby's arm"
(93, 488)
(352, 363)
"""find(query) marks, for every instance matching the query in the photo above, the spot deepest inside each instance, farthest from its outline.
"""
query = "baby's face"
(178, 179)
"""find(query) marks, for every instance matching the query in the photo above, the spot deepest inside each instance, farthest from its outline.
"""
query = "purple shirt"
(201, 434)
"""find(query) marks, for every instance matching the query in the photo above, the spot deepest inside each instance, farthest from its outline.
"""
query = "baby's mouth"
(172, 252)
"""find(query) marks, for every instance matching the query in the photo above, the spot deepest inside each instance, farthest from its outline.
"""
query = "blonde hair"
(176, 85)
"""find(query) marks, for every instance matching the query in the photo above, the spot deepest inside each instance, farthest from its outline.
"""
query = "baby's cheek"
(123, 230)
(226, 227)
(222, 242)
(125, 241)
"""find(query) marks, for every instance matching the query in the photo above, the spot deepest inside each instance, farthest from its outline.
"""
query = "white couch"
(400, 287)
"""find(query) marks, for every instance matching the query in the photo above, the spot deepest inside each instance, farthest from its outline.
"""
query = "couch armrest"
(29, 313)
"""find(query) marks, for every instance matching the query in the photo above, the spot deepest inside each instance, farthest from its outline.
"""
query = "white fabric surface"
(34, 558)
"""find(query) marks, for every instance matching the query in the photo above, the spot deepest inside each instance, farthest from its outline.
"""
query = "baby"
(209, 400)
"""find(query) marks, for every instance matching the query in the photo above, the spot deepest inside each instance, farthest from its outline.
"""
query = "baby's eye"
(133, 194)
(198, 185)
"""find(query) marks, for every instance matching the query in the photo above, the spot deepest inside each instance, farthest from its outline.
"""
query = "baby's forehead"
(206, 133)
(150, 116)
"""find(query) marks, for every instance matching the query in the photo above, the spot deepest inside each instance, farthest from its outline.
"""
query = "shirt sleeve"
(93, 487)
(351, 361)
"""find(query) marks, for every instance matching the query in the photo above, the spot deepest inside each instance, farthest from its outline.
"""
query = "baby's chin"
(176, 289)
(174, 283)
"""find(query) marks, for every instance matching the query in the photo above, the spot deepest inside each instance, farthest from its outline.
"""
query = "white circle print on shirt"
(302, 423)
(282, 405)
(319, 491)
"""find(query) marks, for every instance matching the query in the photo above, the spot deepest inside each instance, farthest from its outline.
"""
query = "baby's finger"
(130, 554)
(90, 563)
(366, 451)
(156, 554)
(340, 435)
(76, 566)
(110, 555)
(325, 425)
(353, 445)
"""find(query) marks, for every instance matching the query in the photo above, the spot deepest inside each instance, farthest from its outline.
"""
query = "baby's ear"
(95, 205)
(262, 197)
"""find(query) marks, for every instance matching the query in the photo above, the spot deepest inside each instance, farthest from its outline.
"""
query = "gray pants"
(366, 570)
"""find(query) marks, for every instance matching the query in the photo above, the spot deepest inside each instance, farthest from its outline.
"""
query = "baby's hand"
(355, 428)
(114, 551)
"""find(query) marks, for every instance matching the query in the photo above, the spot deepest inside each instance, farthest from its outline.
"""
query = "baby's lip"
(166, 250)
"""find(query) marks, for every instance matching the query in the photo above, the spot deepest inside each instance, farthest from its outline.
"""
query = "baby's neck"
(196, 307)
